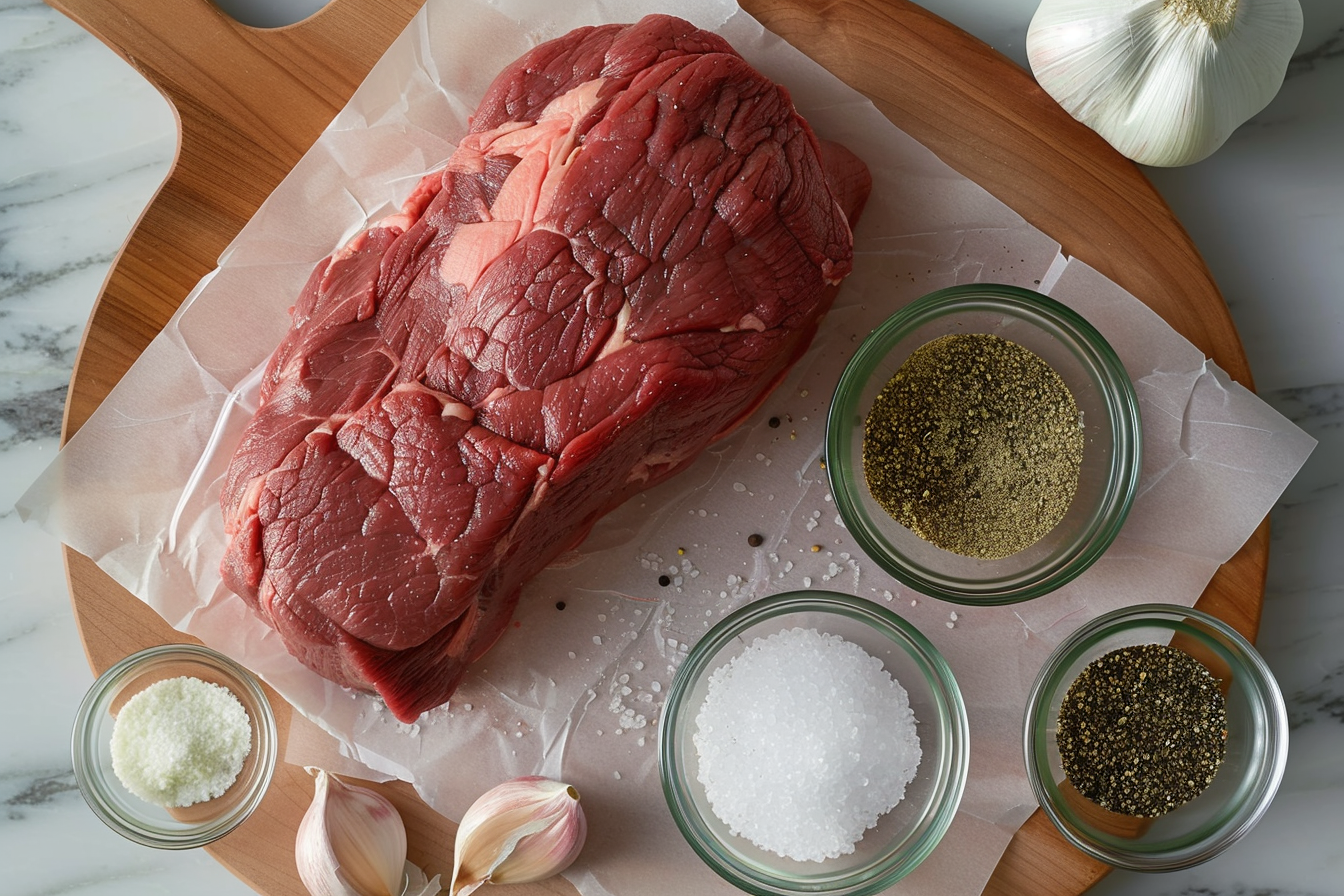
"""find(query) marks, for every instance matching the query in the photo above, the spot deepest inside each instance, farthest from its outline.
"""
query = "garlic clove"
(520, 831)
(1165, 82)
(351, 842)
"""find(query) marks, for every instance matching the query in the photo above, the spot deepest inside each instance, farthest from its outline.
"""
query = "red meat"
(633, 244)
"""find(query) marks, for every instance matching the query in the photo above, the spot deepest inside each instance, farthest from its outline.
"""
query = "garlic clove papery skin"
(351, 842)
(1159, 83)
(523, 830)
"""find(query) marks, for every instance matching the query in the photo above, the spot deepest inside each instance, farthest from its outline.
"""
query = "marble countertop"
(84, 142)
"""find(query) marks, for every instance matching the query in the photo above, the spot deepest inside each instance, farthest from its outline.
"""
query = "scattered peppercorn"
(975, 445)
(774, 422)
(755, 540)
(559, 605)
(664, 581)
(1142, 730)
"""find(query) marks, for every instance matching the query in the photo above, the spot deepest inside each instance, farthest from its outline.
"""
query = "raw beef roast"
(634, 242)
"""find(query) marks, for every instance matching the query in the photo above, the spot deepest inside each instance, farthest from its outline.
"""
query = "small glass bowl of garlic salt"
(174, 746)
(767, 785)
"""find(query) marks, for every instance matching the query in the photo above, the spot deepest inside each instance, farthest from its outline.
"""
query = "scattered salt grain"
(804, 742)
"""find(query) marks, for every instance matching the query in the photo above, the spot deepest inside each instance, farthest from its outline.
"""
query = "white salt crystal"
(181, 741)
(793, 770)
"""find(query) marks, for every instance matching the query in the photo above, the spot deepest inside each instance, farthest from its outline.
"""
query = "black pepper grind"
(1142, 730)
(975, 445)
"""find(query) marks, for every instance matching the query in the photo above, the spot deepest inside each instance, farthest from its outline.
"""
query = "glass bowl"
(905, 835)
(145, 822)
(1242, 788)
(1108, 477)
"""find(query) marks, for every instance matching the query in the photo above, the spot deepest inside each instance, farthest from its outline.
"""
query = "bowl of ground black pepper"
(983, 444)
(1155, 737)
(174, 746)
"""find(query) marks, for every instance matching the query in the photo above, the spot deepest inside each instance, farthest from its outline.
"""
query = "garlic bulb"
(1163, 81)
(523, 830)
(352, 842)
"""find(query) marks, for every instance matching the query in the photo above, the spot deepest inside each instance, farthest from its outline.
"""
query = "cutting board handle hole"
(269, 13)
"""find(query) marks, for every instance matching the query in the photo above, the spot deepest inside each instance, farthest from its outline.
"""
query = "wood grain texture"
(249, 102)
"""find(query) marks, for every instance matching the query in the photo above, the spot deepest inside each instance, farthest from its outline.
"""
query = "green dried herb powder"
(1143, 730)
(975, 445)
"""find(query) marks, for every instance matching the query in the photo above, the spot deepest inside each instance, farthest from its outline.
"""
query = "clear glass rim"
(953, 731)
(1253, 797)
(1122, 411)
(95, 789)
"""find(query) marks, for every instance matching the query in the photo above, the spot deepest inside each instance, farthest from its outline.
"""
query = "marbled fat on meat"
(625, 254)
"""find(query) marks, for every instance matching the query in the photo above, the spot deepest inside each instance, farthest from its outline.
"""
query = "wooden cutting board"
(250, 102)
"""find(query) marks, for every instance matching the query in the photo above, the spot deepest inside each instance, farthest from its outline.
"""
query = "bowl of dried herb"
(983, 444)
(1155, 737)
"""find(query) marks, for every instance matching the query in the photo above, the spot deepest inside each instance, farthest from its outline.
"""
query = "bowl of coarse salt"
(813, 742)
(174, 746)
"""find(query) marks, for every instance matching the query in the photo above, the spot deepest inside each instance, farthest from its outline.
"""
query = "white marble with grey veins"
(84, 142)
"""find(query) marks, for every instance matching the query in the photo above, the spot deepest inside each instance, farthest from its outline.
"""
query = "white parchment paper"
(576, 693)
